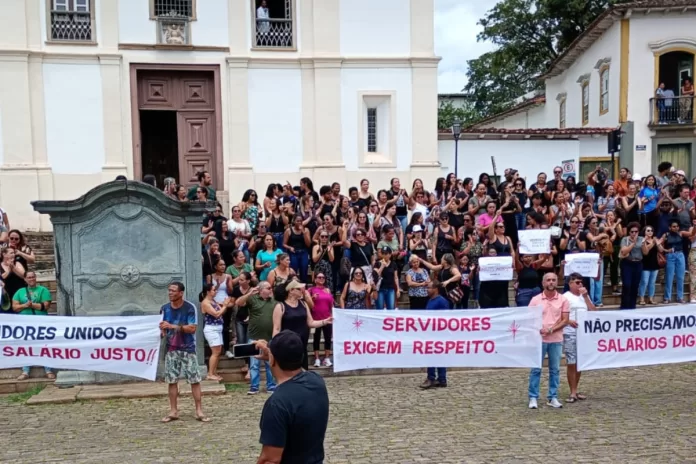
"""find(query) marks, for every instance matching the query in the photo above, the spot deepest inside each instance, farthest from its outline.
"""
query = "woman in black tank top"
(528, 283)
(294, 314)
(296, 241)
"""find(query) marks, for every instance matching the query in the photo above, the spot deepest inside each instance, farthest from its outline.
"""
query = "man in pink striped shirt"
(556, 311)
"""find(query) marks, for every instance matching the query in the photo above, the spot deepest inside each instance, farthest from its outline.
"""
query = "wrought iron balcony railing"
(274, 33)
(672, 110)
(71, 26)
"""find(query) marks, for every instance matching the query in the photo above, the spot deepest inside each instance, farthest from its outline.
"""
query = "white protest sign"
(505, 337)
(535, 241)
(127, 345)
(495, 268)
(585, 264)
(608, 339)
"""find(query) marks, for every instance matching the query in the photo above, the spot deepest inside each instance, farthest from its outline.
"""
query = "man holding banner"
(554, 317)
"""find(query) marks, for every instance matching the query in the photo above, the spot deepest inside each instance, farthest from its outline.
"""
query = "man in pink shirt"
(556, 310)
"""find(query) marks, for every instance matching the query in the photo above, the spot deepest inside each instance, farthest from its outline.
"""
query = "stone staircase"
(230, 369)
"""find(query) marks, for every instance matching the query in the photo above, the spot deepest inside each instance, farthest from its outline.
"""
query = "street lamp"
(456, 132)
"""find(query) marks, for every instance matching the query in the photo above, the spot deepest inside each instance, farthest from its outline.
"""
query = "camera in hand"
(246, 350)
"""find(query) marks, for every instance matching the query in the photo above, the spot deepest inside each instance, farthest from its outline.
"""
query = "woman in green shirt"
(33, 300)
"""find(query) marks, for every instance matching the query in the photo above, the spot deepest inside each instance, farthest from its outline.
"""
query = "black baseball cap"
(288, 350)
(386, 249)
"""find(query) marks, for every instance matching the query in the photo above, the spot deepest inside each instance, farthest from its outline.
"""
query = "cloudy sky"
(455, 39)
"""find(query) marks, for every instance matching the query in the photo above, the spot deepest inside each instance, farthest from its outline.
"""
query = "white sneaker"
(229, 355)
(327, 362)
(533, 403)
(554, 403)
(317, 362)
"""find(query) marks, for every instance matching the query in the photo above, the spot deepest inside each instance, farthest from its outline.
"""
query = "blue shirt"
(438, 302)
(651, 195)
(185, 315)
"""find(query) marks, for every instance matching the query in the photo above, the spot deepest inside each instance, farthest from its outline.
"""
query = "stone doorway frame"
(219, 178)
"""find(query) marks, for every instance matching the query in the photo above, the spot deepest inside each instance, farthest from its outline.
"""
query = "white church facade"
(252, 91)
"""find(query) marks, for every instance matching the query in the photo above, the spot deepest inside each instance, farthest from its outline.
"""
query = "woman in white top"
(241, 230)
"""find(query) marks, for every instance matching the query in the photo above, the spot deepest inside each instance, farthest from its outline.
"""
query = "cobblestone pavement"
(631, 416)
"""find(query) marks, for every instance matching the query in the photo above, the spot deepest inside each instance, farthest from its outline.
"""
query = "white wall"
(134, 25)
(2, 147)
(275, 120)
(375, 28)
(641, 85)
(593, 147)
(210, 27)
(529, 157)
(388, 80)
(74, 118)
(608, 45)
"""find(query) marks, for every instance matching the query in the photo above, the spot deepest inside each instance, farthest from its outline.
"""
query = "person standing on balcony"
(686, 101)
(263, 26)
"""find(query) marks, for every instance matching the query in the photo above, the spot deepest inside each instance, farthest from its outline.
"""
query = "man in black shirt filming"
(294, 418)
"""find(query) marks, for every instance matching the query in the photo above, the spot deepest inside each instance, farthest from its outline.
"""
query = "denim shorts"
(570, 348)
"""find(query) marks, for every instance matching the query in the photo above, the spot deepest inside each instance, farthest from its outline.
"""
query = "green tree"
(529, 35)
(447, 113)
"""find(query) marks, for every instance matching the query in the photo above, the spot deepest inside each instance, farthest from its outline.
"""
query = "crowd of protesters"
(363, 250)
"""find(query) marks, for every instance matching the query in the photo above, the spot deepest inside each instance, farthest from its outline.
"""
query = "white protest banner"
(585, 264)
(126, 345)
(535, 241)
(504, 337)
(495, 268)
(641, 337)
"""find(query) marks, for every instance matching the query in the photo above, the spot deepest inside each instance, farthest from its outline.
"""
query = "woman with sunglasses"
(241, 229)
(250, 209)
(23, 252)
(520, 191)
(356, 292)
(650, 267)
(444, 238)
(633, 249)
(323, 306)
(673, 247)
(323, 258)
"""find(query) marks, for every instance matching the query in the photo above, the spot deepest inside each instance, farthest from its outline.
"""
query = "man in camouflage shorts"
(179, 328)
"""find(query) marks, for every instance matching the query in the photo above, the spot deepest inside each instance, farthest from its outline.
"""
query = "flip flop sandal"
(168, 419)
(203, 419)
(581, 396)
(571, 399)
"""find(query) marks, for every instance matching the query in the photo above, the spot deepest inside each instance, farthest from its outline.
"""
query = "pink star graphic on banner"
(357, 324)
(514, 328)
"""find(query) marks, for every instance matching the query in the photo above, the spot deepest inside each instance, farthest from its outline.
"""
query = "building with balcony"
(609, 77)
(254, 91)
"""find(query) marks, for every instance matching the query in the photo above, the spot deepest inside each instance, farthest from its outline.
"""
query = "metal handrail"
(672, 110)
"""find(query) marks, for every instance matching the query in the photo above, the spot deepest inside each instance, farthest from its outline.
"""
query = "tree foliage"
(447, 113)
(529, 34)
